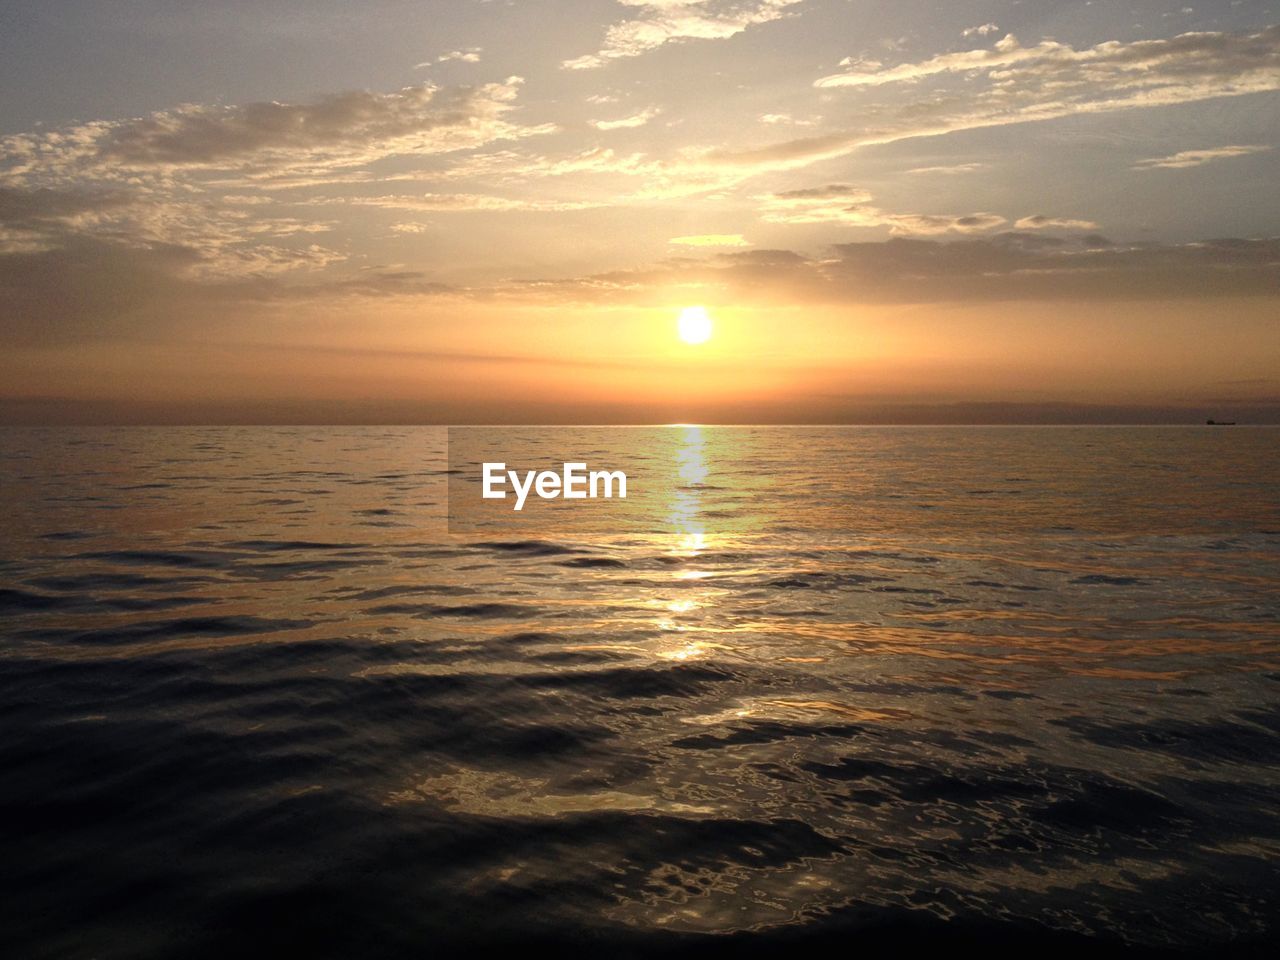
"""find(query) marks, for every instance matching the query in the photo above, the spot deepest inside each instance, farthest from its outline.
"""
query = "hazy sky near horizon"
(494, 209)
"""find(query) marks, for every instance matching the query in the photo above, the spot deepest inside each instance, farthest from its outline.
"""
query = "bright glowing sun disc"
(694, 325)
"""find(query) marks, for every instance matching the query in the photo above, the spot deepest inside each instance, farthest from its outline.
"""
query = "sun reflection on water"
(691, 474)
(688, 541)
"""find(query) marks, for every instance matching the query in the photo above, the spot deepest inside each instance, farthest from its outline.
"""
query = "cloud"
(337, 132)
(246, 200)
(1041, 85)
(219, 239)
(97, 289)
(90, 289)
(1030, 84)
(784, 119)
(469, 55)
(258, 141)
(32, 220)
(1194, 158)
(949, 168)
(162, 181)
(668, 21)
(358, 126)
(45, 205)
(711, 240)
(1006, 53)
(840, 193)
(1252, 59)
(85, 288)
(844, 204)
(1005, 267)
(1014, 266)
(635, 120)
(511, 166)
(1040, 222)
(982, 31)
(464, 202)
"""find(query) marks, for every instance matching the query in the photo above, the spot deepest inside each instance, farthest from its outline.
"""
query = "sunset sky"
(495, 210)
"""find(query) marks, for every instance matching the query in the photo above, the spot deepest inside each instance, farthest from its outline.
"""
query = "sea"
(275, 691)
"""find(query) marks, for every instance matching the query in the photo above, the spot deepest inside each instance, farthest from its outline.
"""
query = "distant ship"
(1219, 423)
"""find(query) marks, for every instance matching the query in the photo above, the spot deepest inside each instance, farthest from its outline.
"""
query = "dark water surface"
(882, 688)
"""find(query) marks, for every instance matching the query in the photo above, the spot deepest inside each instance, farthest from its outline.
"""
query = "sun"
(694, 325)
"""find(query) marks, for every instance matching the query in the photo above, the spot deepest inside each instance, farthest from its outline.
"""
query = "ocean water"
(832, 688)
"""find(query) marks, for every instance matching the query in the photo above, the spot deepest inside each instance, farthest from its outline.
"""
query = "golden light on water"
(691, 473)
(694, 325)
